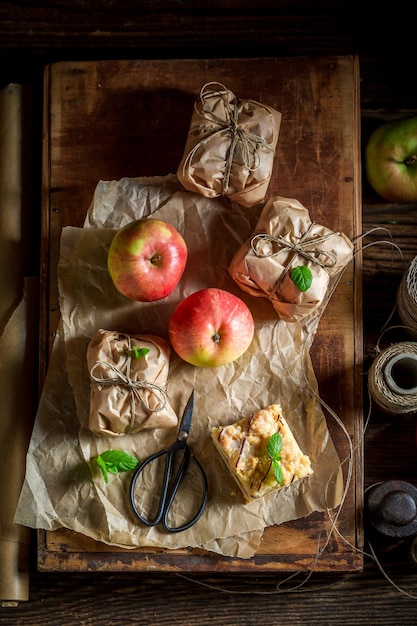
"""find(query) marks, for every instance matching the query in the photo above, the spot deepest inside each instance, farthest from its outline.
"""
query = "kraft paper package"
(127, 391)
(276, 368)
(230, 148)
(285, 238)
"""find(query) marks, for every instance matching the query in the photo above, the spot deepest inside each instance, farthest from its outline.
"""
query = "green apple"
(391, 160)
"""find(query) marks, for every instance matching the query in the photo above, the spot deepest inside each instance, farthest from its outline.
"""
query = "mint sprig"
(274, 452)
(302, 277)
(115, 461)
(137, 353)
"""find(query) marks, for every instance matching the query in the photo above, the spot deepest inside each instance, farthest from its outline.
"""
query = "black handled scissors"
(170, 484)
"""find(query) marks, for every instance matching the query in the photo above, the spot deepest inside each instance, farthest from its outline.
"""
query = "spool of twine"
(392, 380)
(407, 298)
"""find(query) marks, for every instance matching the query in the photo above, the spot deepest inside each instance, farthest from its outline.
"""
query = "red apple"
(146, 259)
(391, 160)
(211, 327)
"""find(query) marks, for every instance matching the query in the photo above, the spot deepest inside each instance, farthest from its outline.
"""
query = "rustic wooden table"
(319, 167)
(32, 37)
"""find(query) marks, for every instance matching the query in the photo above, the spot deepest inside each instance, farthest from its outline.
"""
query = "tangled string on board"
(407, 298)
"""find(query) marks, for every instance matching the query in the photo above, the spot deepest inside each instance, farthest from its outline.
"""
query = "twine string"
(214, 125)
(407, 298)
(303, 247)
(394, 248)
(387, 398)
(135, 387)
(411, 280)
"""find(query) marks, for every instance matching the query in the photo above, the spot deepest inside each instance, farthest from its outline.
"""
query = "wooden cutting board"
(113, 119)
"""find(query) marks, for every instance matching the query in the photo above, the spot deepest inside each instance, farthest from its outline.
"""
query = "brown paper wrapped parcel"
(284, 238)
(127, 394)
(230, 148)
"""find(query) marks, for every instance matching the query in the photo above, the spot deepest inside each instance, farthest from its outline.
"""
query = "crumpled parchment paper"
(59, 489)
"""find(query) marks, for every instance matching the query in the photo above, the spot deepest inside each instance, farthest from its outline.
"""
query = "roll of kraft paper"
(18, 335)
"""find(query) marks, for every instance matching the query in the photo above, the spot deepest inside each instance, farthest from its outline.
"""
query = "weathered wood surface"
(31, 36)
(107, 120)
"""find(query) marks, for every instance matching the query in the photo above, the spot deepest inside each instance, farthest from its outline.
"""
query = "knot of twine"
(407, 298)
(303, 247)
(135, 387)
(384, 396)
(215, 125)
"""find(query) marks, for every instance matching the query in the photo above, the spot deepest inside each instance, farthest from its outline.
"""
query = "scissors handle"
(168, 492)
(165, 485)
(174, 490)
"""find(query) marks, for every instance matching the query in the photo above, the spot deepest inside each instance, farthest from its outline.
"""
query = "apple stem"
(410, 160)
(216, 337)
(156, 258)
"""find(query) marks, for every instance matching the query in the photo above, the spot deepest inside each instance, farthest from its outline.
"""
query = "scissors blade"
(187, 416)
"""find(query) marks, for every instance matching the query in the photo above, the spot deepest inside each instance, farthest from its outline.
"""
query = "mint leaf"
(274, 452)
(137, 353)
(276, 466)
(115, 461)
(103, 468)
(275, 446)
(302, 277)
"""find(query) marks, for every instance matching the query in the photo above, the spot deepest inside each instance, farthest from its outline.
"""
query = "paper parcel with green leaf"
(60, 489)
(290, 260)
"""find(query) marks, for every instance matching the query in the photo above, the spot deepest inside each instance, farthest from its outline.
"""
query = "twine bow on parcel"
(302, 247)
(219, 114)
(283, 236)
(135, 388)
